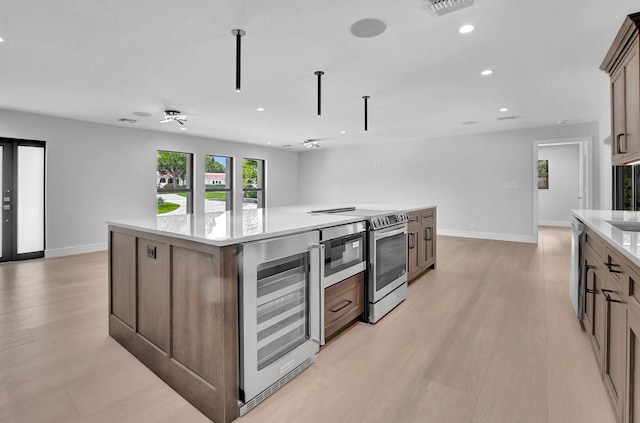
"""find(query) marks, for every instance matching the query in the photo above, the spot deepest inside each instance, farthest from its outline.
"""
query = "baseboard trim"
(554, 223)
(69, 251)
(488, 235)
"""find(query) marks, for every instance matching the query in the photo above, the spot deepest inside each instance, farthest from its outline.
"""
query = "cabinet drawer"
(428, 215)
(615, 266)
(414, 219)
(343, 303)
(593, 241)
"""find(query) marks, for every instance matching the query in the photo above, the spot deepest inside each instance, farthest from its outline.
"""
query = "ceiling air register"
(442, 7)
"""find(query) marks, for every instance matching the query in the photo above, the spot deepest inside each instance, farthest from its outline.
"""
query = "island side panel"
(200, 358)
(122, 274)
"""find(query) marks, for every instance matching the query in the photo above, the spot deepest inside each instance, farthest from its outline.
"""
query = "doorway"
(22, 180)
(561, 180)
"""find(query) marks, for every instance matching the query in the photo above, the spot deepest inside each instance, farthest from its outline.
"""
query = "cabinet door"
(413, 262)
(618, 142)
(594, 308)
(428, 254)
(615, 346)
(632, 104)
(632, 391)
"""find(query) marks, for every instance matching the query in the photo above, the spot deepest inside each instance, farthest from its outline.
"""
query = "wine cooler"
(279, 313)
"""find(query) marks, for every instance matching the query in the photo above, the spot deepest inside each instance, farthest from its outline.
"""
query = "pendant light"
(366, 112)
(319, 73)
(238, 33)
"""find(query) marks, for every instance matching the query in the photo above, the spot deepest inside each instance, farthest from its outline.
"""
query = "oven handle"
(383, 234)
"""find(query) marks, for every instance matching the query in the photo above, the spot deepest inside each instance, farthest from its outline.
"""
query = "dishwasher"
(577, 286)
(279, 313)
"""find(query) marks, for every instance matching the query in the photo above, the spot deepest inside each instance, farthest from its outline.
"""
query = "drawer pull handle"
(346, 303)
(610, 265)
(606, 293)
(592, 291)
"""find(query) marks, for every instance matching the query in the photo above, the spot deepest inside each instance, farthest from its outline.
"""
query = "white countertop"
(236, 227)
(626, 242)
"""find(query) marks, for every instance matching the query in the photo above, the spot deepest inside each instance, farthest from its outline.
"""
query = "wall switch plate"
(151, 251)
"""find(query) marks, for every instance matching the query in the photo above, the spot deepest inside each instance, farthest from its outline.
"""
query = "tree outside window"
(253, 194)
(173, 180)
(218, 180)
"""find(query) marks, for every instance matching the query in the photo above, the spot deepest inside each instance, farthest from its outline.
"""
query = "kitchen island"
(611, 317)
(173, 294)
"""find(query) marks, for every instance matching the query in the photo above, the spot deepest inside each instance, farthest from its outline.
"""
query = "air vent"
(505, 118)
(442, 7)
(125, 120)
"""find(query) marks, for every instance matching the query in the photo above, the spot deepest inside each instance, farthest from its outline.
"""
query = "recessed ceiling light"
(486, 72)
(465, 29)
(1, 40)
(260, 109)
(469, 122)
(268, 142)
(504, 109)
(183, 128)
(562, 122)
(343, 132)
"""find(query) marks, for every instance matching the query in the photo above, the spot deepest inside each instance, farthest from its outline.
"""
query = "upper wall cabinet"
(622, 63)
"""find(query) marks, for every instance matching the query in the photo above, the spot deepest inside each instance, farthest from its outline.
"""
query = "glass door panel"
(30, 199)
(390, 259)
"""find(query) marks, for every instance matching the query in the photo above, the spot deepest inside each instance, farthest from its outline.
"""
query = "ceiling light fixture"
(1, 40)
(504, 109)
(260, 109)
(343, 132)
(465, 29)
(366, 112)
(311, 143)
(142, 114)
(319, 73)
(238, 33)
(486, 72)
(174, 115)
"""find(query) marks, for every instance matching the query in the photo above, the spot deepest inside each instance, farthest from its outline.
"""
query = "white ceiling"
(99, 60)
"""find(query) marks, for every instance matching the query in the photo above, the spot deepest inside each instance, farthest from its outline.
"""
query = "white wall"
(100, 172)
(555, 203)
(482, 181)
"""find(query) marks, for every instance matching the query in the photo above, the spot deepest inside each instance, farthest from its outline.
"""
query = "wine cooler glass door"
(280, 308)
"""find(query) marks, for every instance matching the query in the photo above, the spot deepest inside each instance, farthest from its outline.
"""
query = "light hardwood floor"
(489, 336)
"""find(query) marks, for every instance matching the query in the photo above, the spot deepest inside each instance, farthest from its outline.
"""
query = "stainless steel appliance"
(344, 252)
(387, 263)
(577, 284)
(387, 258)
(343, 255)
(279, 312)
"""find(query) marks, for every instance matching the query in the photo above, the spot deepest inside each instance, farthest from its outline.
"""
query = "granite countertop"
(236, 227)
(626, 242)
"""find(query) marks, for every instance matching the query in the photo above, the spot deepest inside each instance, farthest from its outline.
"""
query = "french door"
(22, 178)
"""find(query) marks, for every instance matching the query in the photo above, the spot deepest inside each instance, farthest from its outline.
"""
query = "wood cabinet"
(594, 313)
(421, 242)
(613, 368)
(174, 305)
(612, 320)
(622, 63)
(343, 304)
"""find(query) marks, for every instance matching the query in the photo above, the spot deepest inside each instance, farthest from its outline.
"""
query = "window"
(218, 194)
(252, 183)
(173, 179)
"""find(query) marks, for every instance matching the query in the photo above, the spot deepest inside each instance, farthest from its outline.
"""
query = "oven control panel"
(384, 221)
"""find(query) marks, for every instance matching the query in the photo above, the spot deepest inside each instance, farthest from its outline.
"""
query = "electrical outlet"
(151, 251)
